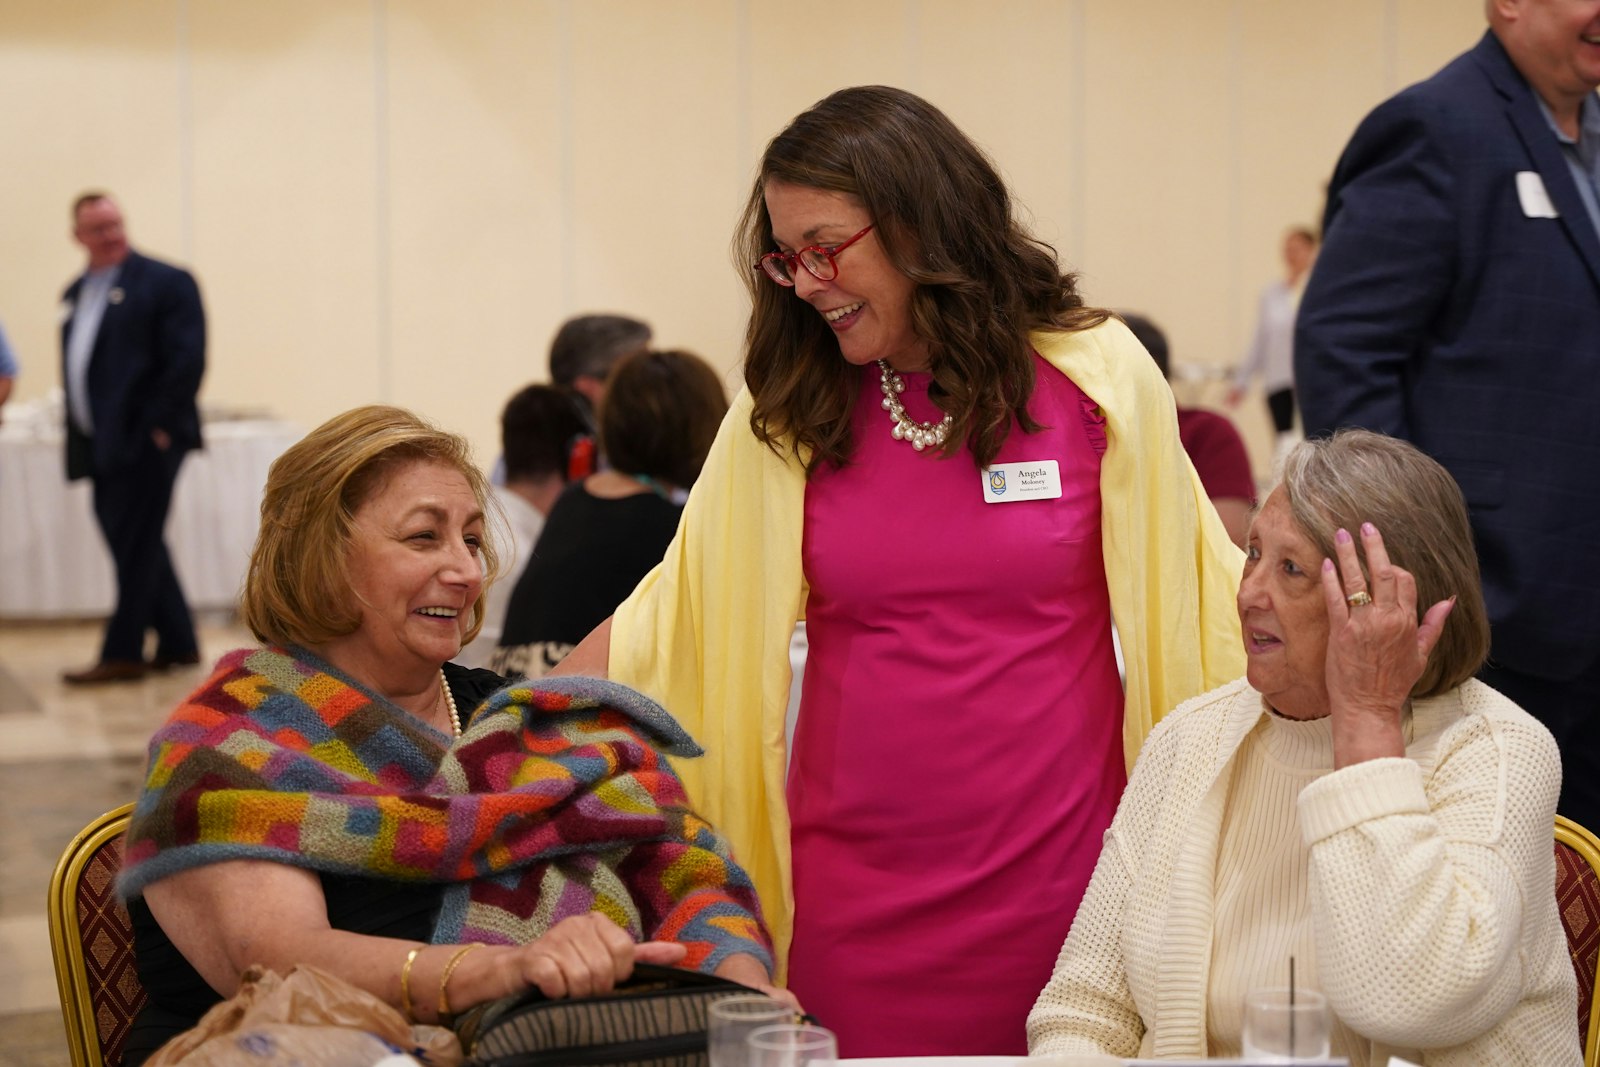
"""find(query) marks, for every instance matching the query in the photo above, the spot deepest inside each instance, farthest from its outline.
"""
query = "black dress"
(591, 553)
(375, 906)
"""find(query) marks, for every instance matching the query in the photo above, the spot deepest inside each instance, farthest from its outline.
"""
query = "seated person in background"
(584, 352)
(334, 799)
(1357, 802)
(657, 421)
(545, 443)
(1214, 446)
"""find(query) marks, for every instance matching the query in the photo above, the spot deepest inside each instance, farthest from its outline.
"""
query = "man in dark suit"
(133, 342)
(1456, 304)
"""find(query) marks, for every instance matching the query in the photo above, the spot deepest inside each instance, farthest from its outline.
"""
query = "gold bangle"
(405, 983)
(444, 977)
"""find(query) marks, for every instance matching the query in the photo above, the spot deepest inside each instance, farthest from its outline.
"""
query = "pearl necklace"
(450, 702)
(920, 434)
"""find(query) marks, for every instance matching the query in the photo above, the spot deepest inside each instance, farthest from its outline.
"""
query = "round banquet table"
(53, 561)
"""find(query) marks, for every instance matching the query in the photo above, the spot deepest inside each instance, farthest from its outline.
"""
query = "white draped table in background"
(53, 561)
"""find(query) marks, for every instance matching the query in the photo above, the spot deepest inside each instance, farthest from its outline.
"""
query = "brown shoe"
(162, 663)
(111, 670)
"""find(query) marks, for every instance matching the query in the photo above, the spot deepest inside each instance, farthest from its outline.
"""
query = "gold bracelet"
(405, 983)
(444, 978)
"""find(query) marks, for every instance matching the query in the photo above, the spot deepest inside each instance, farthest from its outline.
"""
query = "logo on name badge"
(997, 482)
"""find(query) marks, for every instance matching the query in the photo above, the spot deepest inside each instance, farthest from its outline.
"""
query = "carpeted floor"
(14, 696)
(33, 1039)
(66, 755)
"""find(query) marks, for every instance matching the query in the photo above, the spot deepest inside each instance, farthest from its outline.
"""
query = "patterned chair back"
(1578, 896)
(91, 940)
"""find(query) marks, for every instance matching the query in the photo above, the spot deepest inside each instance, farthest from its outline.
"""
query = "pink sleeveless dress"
(958, 754)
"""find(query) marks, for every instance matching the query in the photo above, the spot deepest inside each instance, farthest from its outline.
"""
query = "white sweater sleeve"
(1087, 1007)
(1418, 894)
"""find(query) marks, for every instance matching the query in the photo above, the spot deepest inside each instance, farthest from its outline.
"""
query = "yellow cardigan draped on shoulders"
(706, 633)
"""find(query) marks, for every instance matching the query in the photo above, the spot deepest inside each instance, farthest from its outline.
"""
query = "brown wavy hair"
(297, 590)
(945, 220)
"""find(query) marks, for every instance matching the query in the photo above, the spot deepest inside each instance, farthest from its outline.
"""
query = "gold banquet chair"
(91, 941)
(1578, 896)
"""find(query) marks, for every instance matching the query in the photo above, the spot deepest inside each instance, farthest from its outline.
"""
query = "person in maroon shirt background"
(1214, 446)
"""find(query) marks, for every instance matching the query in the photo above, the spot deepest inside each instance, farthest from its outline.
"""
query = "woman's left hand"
(1376, 648)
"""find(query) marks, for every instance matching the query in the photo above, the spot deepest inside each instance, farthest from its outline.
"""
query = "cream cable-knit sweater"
(1261, 916)
(1432, 893)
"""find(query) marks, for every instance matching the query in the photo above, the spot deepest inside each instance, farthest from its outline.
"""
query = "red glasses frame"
(784, 275)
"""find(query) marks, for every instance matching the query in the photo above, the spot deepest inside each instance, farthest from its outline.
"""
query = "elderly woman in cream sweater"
(1357, 802)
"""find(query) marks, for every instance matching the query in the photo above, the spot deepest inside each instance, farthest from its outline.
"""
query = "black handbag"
(655, 1019)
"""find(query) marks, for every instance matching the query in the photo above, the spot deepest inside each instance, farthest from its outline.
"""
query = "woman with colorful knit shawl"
(334, 799)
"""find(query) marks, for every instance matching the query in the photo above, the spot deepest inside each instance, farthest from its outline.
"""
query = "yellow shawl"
(706, 633)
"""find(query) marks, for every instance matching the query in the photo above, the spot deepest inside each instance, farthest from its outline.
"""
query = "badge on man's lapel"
(116, 295)
(1534, 197)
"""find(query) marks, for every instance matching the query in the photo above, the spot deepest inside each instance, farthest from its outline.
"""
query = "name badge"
(1535, 198)
(1005, 483)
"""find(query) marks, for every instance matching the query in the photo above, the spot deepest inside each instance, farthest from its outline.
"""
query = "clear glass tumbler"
(731, 1020)
(1277, 1030)
(792, 1045)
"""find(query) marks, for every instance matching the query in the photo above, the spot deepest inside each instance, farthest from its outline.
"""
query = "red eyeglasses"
(818, 260)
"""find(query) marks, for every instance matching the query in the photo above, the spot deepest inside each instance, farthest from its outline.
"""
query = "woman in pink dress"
(960, 475)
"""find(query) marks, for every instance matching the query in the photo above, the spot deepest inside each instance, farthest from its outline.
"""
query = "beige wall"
(400, 200)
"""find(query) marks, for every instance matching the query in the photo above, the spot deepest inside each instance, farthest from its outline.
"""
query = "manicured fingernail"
(1327, 564)
(1342, 536)
(1367, 529)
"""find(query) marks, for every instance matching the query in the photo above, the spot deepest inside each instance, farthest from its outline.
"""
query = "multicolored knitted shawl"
(557, 800)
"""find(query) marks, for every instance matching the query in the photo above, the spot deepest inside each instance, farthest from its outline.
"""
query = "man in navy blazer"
(133, 343)
(1456, 304)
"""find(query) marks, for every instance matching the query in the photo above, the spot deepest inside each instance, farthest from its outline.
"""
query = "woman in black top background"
(659, 416)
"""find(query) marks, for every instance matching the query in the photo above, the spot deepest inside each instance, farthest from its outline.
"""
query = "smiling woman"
(962, 728)
(415, 568)
(392, 781)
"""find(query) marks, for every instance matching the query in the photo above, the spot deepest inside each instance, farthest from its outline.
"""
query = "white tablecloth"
(53, 561)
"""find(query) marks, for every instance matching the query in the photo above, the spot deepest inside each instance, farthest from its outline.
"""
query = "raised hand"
(1376, 647)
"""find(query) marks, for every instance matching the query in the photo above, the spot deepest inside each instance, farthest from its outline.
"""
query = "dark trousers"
(1280, 404)
(131, 504)
(1571, 711)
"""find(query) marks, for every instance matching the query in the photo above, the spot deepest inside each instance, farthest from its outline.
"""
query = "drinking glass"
(1278, 1031)
(791, 1045)
(731, 1020)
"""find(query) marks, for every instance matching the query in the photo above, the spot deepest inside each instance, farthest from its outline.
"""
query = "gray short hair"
(1357, 476)
(590, 345)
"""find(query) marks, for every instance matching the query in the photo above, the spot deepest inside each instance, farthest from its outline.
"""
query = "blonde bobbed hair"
(297, 591)
(1358, 476)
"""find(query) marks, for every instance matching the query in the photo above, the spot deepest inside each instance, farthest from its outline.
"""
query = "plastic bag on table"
(308, 1018)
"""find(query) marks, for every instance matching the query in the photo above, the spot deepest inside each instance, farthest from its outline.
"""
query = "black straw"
(1293, 1050)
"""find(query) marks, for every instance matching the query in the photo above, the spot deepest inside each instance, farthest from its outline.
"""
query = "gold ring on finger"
(1358, 599)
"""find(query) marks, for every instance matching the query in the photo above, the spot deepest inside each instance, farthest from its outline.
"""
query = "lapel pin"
(116, 295)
